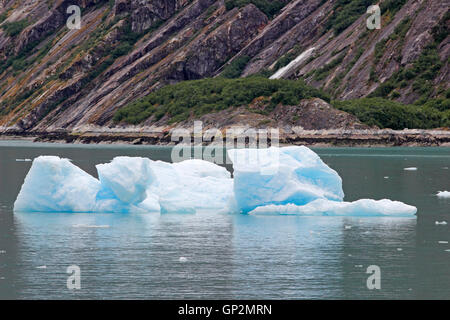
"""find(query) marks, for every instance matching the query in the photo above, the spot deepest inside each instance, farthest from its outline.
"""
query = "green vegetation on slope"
(288, 57)
(3, 16)
(424, 69)
(324, 72)
(346, 12)
(392, 6)
(395, 115)
(12, 29)
(235, 68)
(200, 97)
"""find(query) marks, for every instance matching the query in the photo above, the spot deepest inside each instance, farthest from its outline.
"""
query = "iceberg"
(126, 184)
(56, 185)
(277, 176)
(443, 194)
(360, 208)
(288, 180)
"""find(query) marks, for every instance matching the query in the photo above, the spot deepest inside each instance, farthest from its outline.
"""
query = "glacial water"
(232, 256)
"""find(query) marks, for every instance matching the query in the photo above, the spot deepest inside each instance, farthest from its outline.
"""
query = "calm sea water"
(234, 256)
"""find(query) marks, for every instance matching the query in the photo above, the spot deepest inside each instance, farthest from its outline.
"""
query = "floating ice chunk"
(323, 207)
(294, 175)
(56, 185)
(128, 178)
(410, 169)
(290, 180)
(182, 259)
(23, 160)
(41, 267)
(443, 194)
(444, 223)
(126, 185)
(190, 185)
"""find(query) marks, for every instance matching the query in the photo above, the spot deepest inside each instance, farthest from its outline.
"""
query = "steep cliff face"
(53, 78)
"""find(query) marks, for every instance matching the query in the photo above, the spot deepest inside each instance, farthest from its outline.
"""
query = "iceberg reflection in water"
(289, 180)
(226, 256)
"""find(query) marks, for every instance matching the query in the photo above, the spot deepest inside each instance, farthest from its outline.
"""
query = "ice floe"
(289, 181)
(443, 194)
(322, 207)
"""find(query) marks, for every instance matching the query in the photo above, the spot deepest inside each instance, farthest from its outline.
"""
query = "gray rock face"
(145, 13)
(206, 56)
(52, 20)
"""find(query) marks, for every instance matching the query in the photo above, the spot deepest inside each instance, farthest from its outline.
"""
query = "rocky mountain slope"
(54, 79)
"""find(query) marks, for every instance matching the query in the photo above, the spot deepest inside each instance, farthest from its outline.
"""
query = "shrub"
(345, 12)
(12, 29)
(393, 6)
(235, 68)
(324, 72)
(3, 16)
(390, 114)
(122, 49)
(288, 57)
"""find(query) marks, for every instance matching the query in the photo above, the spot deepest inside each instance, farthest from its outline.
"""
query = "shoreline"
(314, 138)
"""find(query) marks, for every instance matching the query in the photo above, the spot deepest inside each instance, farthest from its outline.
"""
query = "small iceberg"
(443, 194)
(286, 181)
(410, 169)
(360, 208)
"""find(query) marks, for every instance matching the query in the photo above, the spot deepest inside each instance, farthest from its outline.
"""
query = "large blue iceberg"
(289, 180)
